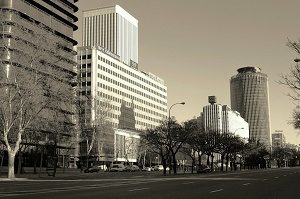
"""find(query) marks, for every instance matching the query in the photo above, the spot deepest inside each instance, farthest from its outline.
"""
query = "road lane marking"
(276, 177)
(188, 183)
(218, 190)
(284, 175)
(140, 189)
(265, 179)
(246, 184)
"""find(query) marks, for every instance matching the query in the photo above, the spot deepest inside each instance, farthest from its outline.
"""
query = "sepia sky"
(197, 45)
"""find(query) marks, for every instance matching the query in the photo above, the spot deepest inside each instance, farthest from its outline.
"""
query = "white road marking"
(138, 189)
(188, 183)
(284, 175)
(218, 190)
(246, 184)
(276, 177)
(265, 179)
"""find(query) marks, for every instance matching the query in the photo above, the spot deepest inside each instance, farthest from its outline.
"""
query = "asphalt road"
(258, 184)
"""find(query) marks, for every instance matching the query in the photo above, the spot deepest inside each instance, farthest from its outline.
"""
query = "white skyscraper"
(114, 29)
(109, 74)
(220, 118)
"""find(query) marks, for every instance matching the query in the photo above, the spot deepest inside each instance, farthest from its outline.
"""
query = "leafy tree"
(156, 141)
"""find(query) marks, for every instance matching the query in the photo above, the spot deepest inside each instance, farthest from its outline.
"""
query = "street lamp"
(169, 120)
(182, 103)
(238, 129)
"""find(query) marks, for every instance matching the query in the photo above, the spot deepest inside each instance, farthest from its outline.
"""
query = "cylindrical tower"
(250, 97)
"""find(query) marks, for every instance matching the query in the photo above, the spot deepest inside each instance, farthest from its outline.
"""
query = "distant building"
(232, 122)
(220, 118)
(278, 139)
(250, 97)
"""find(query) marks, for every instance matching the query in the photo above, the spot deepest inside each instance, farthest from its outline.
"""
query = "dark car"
(92, 169)
(203, 169)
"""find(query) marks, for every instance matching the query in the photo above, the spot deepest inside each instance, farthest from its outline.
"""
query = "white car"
(117, 168)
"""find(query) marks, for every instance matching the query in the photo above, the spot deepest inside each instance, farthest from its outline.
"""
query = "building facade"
(250, 97)
(37, 40)
(104, 77)
(278, 139)
(113, 29)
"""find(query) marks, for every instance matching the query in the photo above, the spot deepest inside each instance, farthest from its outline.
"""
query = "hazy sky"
(197, 45)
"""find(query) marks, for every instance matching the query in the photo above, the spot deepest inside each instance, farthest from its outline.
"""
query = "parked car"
(146, 169)
(117, 168)
(203, 169)
(92, 169)
(132, 168)
(160, 168)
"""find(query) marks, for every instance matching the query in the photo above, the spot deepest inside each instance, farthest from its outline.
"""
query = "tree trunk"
(199, 158)
(174, 163)
(1, 165)
(41, 161)
(11, 165)
(227, 160)
(212, 162)
(164, 162)
(19, 162)
(207, 161)
(222, 162)
(193, 164)
(170, 164)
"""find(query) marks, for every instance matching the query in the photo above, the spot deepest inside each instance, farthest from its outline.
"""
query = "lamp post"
(182, 103)
(239, 155)
(169, 120)
(237, 130)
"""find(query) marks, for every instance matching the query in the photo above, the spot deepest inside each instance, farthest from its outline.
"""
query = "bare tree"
(94, 124)
(292, 81)
(31, 84)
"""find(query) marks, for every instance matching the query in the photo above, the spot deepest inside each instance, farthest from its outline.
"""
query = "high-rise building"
(109, 73)
(278, 139)
(104, 77)
(113, 29)
(250, 97)
(37, 40)
(220, 118)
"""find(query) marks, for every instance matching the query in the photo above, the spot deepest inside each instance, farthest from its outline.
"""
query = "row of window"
(130, 73)
(131, 89)
(116, 99)
(116, 108)
(130, 81)
(117, 91)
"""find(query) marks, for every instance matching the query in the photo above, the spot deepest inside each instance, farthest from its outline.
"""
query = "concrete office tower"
(250, 97)
(30, 29)
(220, 118)
(104, 77)
(212, 115)
(113, 29)
(278, 139)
